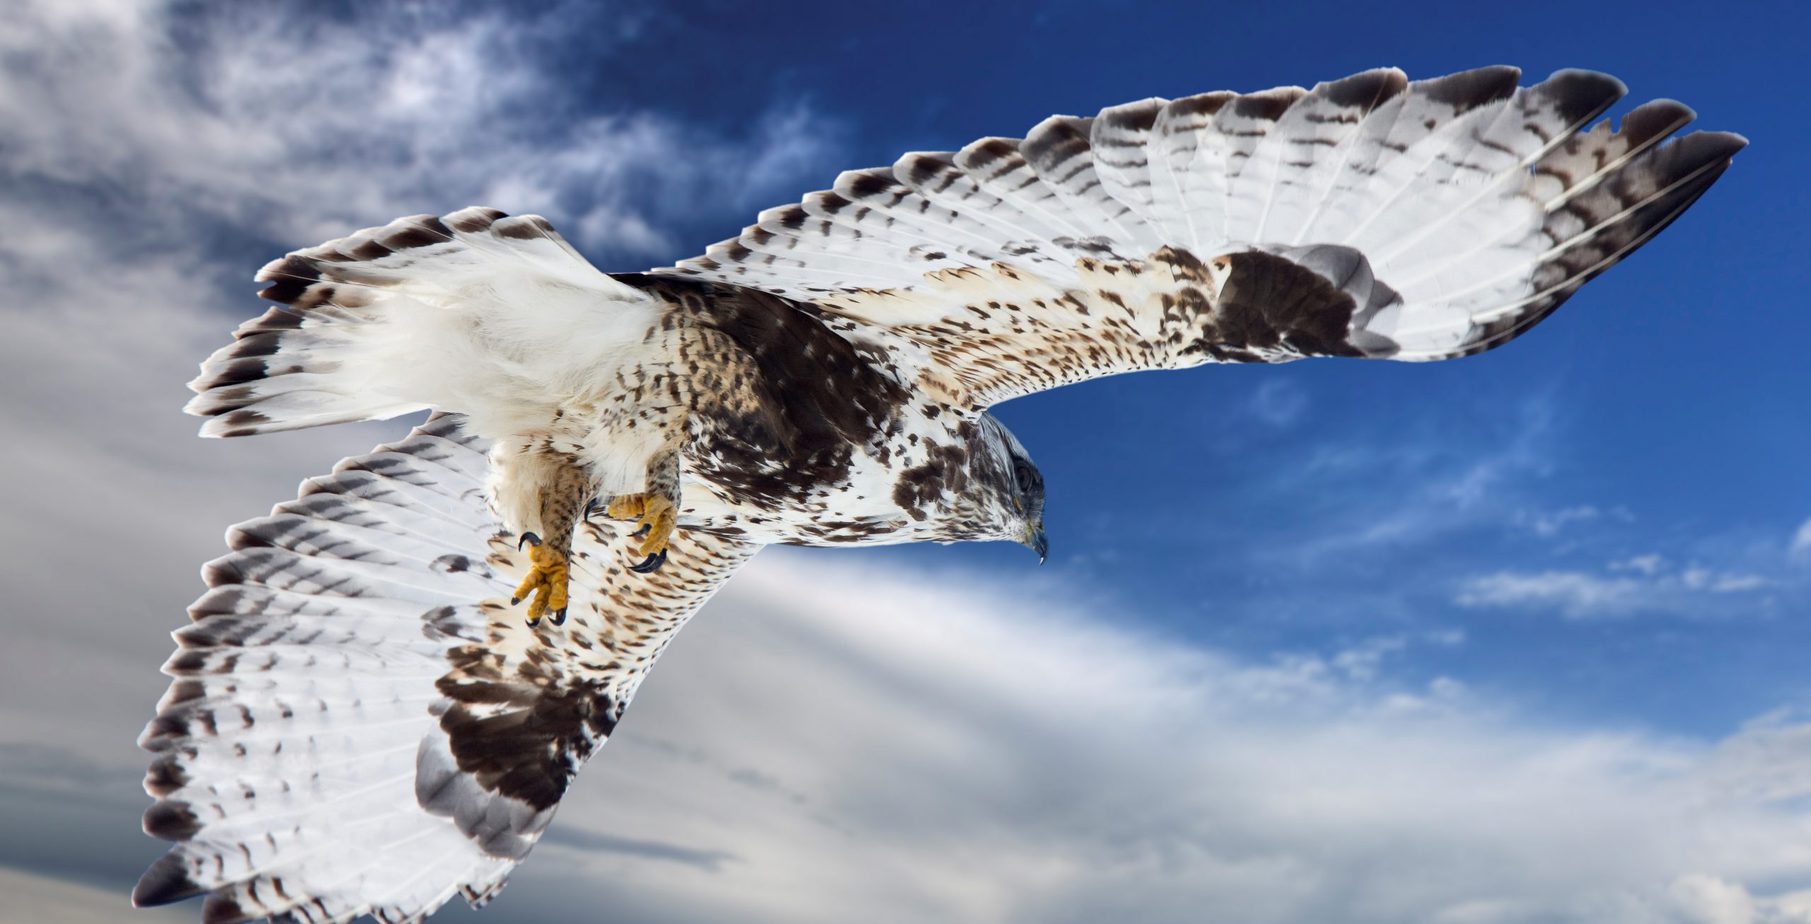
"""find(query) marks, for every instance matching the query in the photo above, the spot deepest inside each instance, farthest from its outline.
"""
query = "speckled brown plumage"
(359, 722)
(527, 705)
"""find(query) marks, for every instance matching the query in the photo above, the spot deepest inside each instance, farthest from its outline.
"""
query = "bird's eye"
(1023, 474)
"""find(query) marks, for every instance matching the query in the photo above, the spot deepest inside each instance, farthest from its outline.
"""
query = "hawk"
(392, 679)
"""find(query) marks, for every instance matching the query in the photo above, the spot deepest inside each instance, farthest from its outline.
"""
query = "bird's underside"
(372, 711)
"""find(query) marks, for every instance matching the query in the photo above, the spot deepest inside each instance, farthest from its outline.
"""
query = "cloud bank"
(832, 740)
(858, 741)
(293, 124)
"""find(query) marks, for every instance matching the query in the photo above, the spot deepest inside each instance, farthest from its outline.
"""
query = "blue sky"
(1526, 572)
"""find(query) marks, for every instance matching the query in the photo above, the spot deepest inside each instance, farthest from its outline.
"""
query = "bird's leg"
(563, 498)
(654, 510)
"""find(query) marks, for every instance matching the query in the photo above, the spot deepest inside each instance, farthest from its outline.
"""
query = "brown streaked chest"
(783, 409)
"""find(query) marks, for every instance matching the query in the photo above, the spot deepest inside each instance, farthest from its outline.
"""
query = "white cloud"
(1801, 542)
(1279, 403)
(299, 126)
(1362, 662)
(1549, 523)
(1709, 900)
(1530, 428)
(1697, 578)
(1574, 593)
(1641, 583)
(1649, 564)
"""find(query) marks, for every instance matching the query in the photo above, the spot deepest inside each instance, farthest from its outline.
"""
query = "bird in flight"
(392, 679)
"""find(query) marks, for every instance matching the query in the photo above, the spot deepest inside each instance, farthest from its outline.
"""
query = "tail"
(358, 724)
(446, 313)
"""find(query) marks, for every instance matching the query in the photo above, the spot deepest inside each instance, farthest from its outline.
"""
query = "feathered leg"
(563, 487)
(654, 509)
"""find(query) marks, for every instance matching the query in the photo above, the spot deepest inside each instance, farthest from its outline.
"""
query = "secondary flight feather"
(392, 679)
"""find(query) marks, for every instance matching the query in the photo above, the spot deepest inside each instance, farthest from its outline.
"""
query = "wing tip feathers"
(164, 882)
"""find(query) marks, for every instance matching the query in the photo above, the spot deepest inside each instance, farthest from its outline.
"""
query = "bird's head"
(1010, 484)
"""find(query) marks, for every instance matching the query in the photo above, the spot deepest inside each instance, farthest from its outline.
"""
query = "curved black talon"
(650, 564)
(643, 531)
(529, 538)
(559, 616)
(590, 508)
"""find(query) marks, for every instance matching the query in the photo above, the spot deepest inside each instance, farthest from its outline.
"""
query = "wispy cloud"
(1422, 486)
(1649, 564)
(1638, 584)
(1549, 523)
(577, 838)
(1801, 542)
(1474, 514)
(1278, 403)
(298, 126)
(1574, 593)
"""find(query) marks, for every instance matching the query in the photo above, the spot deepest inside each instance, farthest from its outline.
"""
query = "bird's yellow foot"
(546, 579)
(654, 516)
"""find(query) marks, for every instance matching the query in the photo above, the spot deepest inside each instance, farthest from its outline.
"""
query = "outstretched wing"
(424, 312)
(359, 724)
(1369, 216)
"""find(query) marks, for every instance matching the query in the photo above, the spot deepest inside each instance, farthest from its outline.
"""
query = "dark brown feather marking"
(1365, 91)
(531, 749)
(1269, 303)
(1467, 90)
(795, 400)
(1267, 105)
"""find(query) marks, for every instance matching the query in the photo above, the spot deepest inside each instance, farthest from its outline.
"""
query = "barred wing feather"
(357, 723)
(1370, 216)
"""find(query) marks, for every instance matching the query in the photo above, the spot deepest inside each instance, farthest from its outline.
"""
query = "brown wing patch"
(527, 706)
(1271, 307)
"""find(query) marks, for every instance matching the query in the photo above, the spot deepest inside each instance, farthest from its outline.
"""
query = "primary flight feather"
(393, 678)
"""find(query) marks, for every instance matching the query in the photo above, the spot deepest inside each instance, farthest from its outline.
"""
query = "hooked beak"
(1034, 540)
